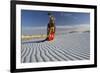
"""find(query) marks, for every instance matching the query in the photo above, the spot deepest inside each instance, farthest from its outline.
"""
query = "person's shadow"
(40, 41)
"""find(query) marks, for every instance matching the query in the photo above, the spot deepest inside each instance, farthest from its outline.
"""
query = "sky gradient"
(31, 18)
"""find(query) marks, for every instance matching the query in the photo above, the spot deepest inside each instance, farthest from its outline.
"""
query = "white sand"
(65, 47)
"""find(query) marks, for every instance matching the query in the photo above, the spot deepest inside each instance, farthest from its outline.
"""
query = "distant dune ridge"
(41, 32)
(65, 47)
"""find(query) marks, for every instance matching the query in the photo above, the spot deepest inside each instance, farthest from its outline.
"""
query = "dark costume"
(51, 28)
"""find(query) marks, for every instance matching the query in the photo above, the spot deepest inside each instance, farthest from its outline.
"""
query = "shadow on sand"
(40, 41)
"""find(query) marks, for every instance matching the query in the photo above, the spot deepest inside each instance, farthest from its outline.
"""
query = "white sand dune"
(66, 47)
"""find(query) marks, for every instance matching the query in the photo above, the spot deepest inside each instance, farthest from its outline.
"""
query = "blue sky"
(31, 18)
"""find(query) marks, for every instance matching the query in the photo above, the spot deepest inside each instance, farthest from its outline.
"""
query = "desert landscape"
(70, 46)
(71, 31)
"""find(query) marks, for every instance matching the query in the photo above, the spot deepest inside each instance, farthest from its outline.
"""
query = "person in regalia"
(51, 28)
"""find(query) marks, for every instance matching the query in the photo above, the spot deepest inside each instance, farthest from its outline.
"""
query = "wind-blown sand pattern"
(65, 47)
